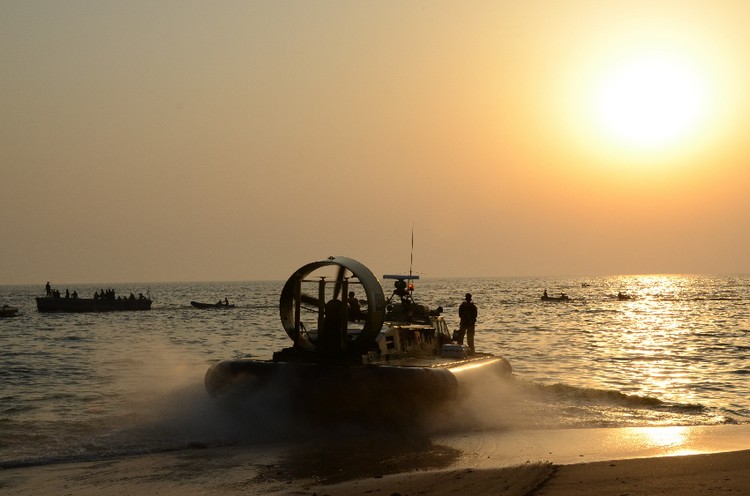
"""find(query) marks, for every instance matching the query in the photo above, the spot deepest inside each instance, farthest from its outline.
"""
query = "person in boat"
(332, 336)
(48, 288)
(75, 294)
(545, 295)
(354, 310)
(226, 302)
(437, 312)
(467, 312)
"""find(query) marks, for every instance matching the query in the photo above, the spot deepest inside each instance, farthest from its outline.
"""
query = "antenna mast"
(411, 256)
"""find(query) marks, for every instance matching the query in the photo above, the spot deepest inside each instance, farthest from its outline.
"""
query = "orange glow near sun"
(650, 98)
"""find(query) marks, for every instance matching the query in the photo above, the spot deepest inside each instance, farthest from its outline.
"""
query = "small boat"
(397, 357)
(8, 311)
(218, 304)
(50, 304)
(622, 296)
(562, 297)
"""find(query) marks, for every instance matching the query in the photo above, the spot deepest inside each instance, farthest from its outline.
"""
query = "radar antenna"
(411, 256)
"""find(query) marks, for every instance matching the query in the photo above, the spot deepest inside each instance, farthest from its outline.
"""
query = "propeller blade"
(310, 300)
(339, 280)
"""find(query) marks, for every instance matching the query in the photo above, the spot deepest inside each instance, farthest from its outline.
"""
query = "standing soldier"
(467, 312)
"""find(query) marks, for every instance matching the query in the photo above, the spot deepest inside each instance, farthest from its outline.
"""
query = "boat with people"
(101, 302)
(8, 311)
(396, 355)
(562, 297)
(219, 304)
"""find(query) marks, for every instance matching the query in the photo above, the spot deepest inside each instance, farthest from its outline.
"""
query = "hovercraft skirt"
(381, 388)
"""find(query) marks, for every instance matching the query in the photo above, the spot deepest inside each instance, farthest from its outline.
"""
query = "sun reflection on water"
(653, 337)
(668, 441)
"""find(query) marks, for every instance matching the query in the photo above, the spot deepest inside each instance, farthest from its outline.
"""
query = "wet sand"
(444, 466)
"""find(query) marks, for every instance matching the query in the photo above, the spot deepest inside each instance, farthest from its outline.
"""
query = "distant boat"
(8, 311)
(562, 297)
(219, 304)
(48, 304)
(623, 296)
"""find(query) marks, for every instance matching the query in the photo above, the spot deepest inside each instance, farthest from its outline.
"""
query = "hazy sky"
(191, 140)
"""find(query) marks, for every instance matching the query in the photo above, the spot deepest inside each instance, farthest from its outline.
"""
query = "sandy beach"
(675, 475)
(179, 475)
(418, 470)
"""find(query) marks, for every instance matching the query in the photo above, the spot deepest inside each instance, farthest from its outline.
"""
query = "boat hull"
(555, 298)
(80, 305)
(346, 391)
(198, 304)
(8, 311)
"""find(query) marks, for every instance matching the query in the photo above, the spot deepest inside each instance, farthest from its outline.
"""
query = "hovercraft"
(350, 355)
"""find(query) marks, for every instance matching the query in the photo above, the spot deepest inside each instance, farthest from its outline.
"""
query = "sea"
(91, 386)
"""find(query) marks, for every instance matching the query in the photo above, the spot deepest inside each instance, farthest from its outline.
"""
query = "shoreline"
(709, 458)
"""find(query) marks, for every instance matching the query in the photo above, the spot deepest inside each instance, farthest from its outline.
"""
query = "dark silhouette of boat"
(8, 311)
(562, 297)
(399, 356)
(49, 304)
(218, 304)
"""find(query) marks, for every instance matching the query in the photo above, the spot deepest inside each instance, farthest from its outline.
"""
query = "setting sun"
(651, 102)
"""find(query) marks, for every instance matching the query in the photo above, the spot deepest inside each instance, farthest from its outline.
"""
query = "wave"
(597, 395)
(561, 405)
(110, 454)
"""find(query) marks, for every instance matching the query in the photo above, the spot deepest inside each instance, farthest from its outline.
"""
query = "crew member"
(467, 312)
(354, 311)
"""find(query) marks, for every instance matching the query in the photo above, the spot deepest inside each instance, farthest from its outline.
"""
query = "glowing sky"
(189, 140)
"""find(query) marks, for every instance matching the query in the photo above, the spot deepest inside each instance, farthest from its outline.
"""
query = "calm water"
(92, 385)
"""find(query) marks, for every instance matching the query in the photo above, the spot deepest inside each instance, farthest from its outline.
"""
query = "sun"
(650, 102)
